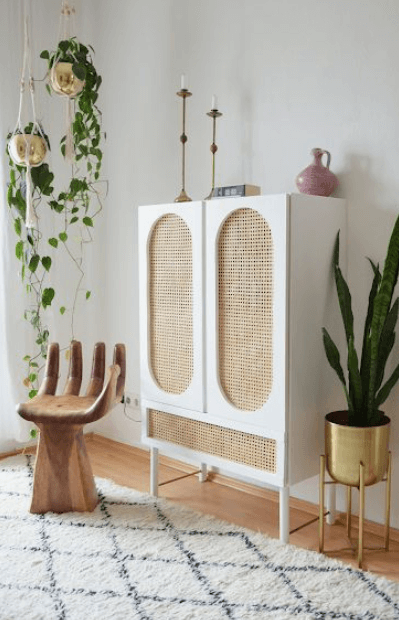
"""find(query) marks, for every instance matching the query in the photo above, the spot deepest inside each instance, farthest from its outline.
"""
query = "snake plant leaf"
(336, 251)
(387, 341)
(345, 302)
(334, 360)
(355, 382)
(382, 304)
(384, 392)
(365, 358)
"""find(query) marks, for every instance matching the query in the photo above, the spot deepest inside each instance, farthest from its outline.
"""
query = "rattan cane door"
(246, 310)
(171, 304)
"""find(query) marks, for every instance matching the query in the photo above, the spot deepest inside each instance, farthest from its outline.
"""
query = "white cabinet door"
(246, 310)
(171, 304)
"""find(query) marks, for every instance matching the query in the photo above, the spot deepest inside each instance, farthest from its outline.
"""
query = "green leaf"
(32, 377)
(74, 219)
(88, 221)
(384, 392)
(365, 359)
(62, 310)
(26, 358)
(19, 250)
(33, 263)
(34, 365)
(387, 341)
(10, 195)
(355, 382)
(345, 303)
(79, 70)
(75, 210)
(45, 54)
(48, 89)
(382, 305)
(47, 297)
(46, 262)
(88, 293)
(53, 241)
(335, 362)
(33, 431)
(17, 226)
(63, 236)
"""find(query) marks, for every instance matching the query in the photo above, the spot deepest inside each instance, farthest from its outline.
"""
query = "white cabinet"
(233, 295)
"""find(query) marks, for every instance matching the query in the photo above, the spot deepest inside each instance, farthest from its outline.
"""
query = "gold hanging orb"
(64, 81)
(22, 144)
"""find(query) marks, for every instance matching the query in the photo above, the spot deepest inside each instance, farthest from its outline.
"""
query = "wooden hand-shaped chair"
(63, 478)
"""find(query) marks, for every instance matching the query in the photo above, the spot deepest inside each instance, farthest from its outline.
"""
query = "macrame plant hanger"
(28, 149)
(67, 16)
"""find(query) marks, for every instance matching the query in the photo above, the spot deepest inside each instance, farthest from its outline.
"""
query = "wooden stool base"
(63, 480)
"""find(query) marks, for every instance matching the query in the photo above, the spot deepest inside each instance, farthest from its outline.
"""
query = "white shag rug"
(136, 558)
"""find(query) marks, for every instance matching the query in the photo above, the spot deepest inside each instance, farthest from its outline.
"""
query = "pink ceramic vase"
(317, 179)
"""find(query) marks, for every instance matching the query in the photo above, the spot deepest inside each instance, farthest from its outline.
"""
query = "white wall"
(289, 76)
(45, 15)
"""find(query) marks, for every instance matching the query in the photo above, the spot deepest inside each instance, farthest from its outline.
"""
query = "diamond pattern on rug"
(138, 558)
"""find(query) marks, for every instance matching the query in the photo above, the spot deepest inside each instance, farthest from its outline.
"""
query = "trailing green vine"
(77, 205)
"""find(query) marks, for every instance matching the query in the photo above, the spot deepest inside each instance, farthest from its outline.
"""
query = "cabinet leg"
(331, 504)
(154, 472)
(284, 514)
(202, 476)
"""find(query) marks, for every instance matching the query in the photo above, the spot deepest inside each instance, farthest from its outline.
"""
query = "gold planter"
(348, 446)
(20, 144)
(64, 81)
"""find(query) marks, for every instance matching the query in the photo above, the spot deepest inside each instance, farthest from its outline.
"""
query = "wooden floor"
(244, 505)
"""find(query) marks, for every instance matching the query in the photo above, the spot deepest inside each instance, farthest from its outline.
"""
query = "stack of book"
(236, 190)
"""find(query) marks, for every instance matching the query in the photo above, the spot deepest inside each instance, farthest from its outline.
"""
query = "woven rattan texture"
(252, 450)
(245, 278)
(170, 301)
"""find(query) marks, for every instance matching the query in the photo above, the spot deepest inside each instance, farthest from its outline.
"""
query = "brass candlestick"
(214, 114)
(183, 197)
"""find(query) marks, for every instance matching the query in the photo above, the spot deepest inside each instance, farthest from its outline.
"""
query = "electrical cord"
(125, 412)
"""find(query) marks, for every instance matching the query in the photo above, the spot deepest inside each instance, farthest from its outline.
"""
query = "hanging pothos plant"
(77, 206)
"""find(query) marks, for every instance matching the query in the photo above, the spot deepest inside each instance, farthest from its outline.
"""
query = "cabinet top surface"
(285, 197)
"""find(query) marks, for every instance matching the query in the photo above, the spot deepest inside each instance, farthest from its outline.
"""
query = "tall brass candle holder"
(214, 114)
(183, 197)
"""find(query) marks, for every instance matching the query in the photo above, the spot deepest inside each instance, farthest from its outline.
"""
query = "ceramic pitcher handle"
(328, 158)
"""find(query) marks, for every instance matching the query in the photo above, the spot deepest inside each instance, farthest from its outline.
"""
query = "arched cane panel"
(170, 297)
(245, 280)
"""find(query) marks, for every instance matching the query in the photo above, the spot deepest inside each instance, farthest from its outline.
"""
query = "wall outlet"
(132, 401)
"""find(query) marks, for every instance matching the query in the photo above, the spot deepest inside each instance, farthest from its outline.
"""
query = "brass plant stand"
(361, 488)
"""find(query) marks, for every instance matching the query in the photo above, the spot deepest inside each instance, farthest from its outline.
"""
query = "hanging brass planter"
(22, 144)
(348, 446)
(64, 81)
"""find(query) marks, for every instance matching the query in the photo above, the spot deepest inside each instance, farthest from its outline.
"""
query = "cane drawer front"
(215, 440)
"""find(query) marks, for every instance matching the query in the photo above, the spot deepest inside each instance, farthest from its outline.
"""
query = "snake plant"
(364, 385)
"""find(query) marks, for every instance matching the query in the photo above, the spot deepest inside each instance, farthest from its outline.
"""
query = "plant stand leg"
(331, 504)
(154, 472)
(284, 514)
(388, 501)
(348, 510)
(203, 475)
(321, 502)
(361, 516)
